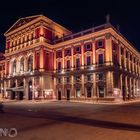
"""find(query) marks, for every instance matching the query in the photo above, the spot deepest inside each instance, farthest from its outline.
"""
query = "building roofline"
(92, 30)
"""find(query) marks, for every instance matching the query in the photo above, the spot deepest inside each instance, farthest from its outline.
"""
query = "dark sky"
(76, 15)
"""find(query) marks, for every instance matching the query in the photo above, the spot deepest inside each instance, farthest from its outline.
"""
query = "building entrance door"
(13, 93)
(59, 95)
(20, 93)
(101, 91)
(30, 90)
(68, 94)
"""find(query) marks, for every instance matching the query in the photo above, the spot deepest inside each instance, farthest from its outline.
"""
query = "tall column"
(41, 59)
(54, 89)
(72, 59)
(137, 87)
(82, 53)
(109, 83)
(94, 52)
(25, 64)
(63, 88)
(17, 65)
(126, 87)
(26, 89)
(94, 86)
(119, 55)
(129, 86)
(54, 59)
(120, 86)
(34, 60)
(63, 59)
(16, 87)
(125, 58)
(72, 89)
(82, 80)
(108, 49)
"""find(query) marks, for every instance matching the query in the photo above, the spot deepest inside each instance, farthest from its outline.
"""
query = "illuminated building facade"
(44, 60)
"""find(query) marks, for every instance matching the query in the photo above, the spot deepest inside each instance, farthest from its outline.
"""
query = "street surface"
(71, 121)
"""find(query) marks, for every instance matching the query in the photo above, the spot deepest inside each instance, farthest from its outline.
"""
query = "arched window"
(14, 66)
(30, 63)
(22, 64)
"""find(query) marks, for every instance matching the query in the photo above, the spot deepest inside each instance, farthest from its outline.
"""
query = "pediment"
(21, 22)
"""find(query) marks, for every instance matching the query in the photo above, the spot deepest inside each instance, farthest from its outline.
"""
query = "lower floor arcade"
(90, 86)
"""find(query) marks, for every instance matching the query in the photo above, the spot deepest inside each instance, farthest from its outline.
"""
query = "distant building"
(44, 60)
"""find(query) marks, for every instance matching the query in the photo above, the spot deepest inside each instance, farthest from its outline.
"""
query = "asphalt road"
(71, 121)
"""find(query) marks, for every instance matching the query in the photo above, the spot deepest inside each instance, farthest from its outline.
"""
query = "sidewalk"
(71, 101)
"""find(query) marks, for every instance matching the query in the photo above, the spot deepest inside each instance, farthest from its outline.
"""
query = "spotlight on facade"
(116, 92)
(91, 68)
(31, 73)
(62, 71)
(30, 86)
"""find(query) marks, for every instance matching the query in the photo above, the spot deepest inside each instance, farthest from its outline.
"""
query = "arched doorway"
(13, 93)
(30, 93)
(21, 94)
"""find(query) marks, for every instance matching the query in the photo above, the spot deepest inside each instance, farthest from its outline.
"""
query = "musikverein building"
(44, 60)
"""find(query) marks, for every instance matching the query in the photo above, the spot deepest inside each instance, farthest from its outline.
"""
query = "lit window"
(14, 66)
(30, 63)
(22, 64)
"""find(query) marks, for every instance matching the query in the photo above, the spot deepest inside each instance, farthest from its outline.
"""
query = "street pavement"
(71, 121)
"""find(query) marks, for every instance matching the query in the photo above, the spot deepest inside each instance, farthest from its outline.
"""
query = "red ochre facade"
(44, 60)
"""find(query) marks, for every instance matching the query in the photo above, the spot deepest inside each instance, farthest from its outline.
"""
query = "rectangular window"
(68, 79)
(88, 47)
(59, 65)
(115, 61)
(59, 80)
(101, 61)
(77, 49)
(114, 47)
(100, 44)
(77, 62)
(101, 76)
(88, 60)
(68, 64)
(88, 77)
(77, 78)
(59, 54)
(68, 52)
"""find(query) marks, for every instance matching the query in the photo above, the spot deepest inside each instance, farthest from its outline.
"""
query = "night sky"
(75, 15)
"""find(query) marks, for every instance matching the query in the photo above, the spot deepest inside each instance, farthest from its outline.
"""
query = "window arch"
(21, 64)
(14, 66)
(30, 63)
